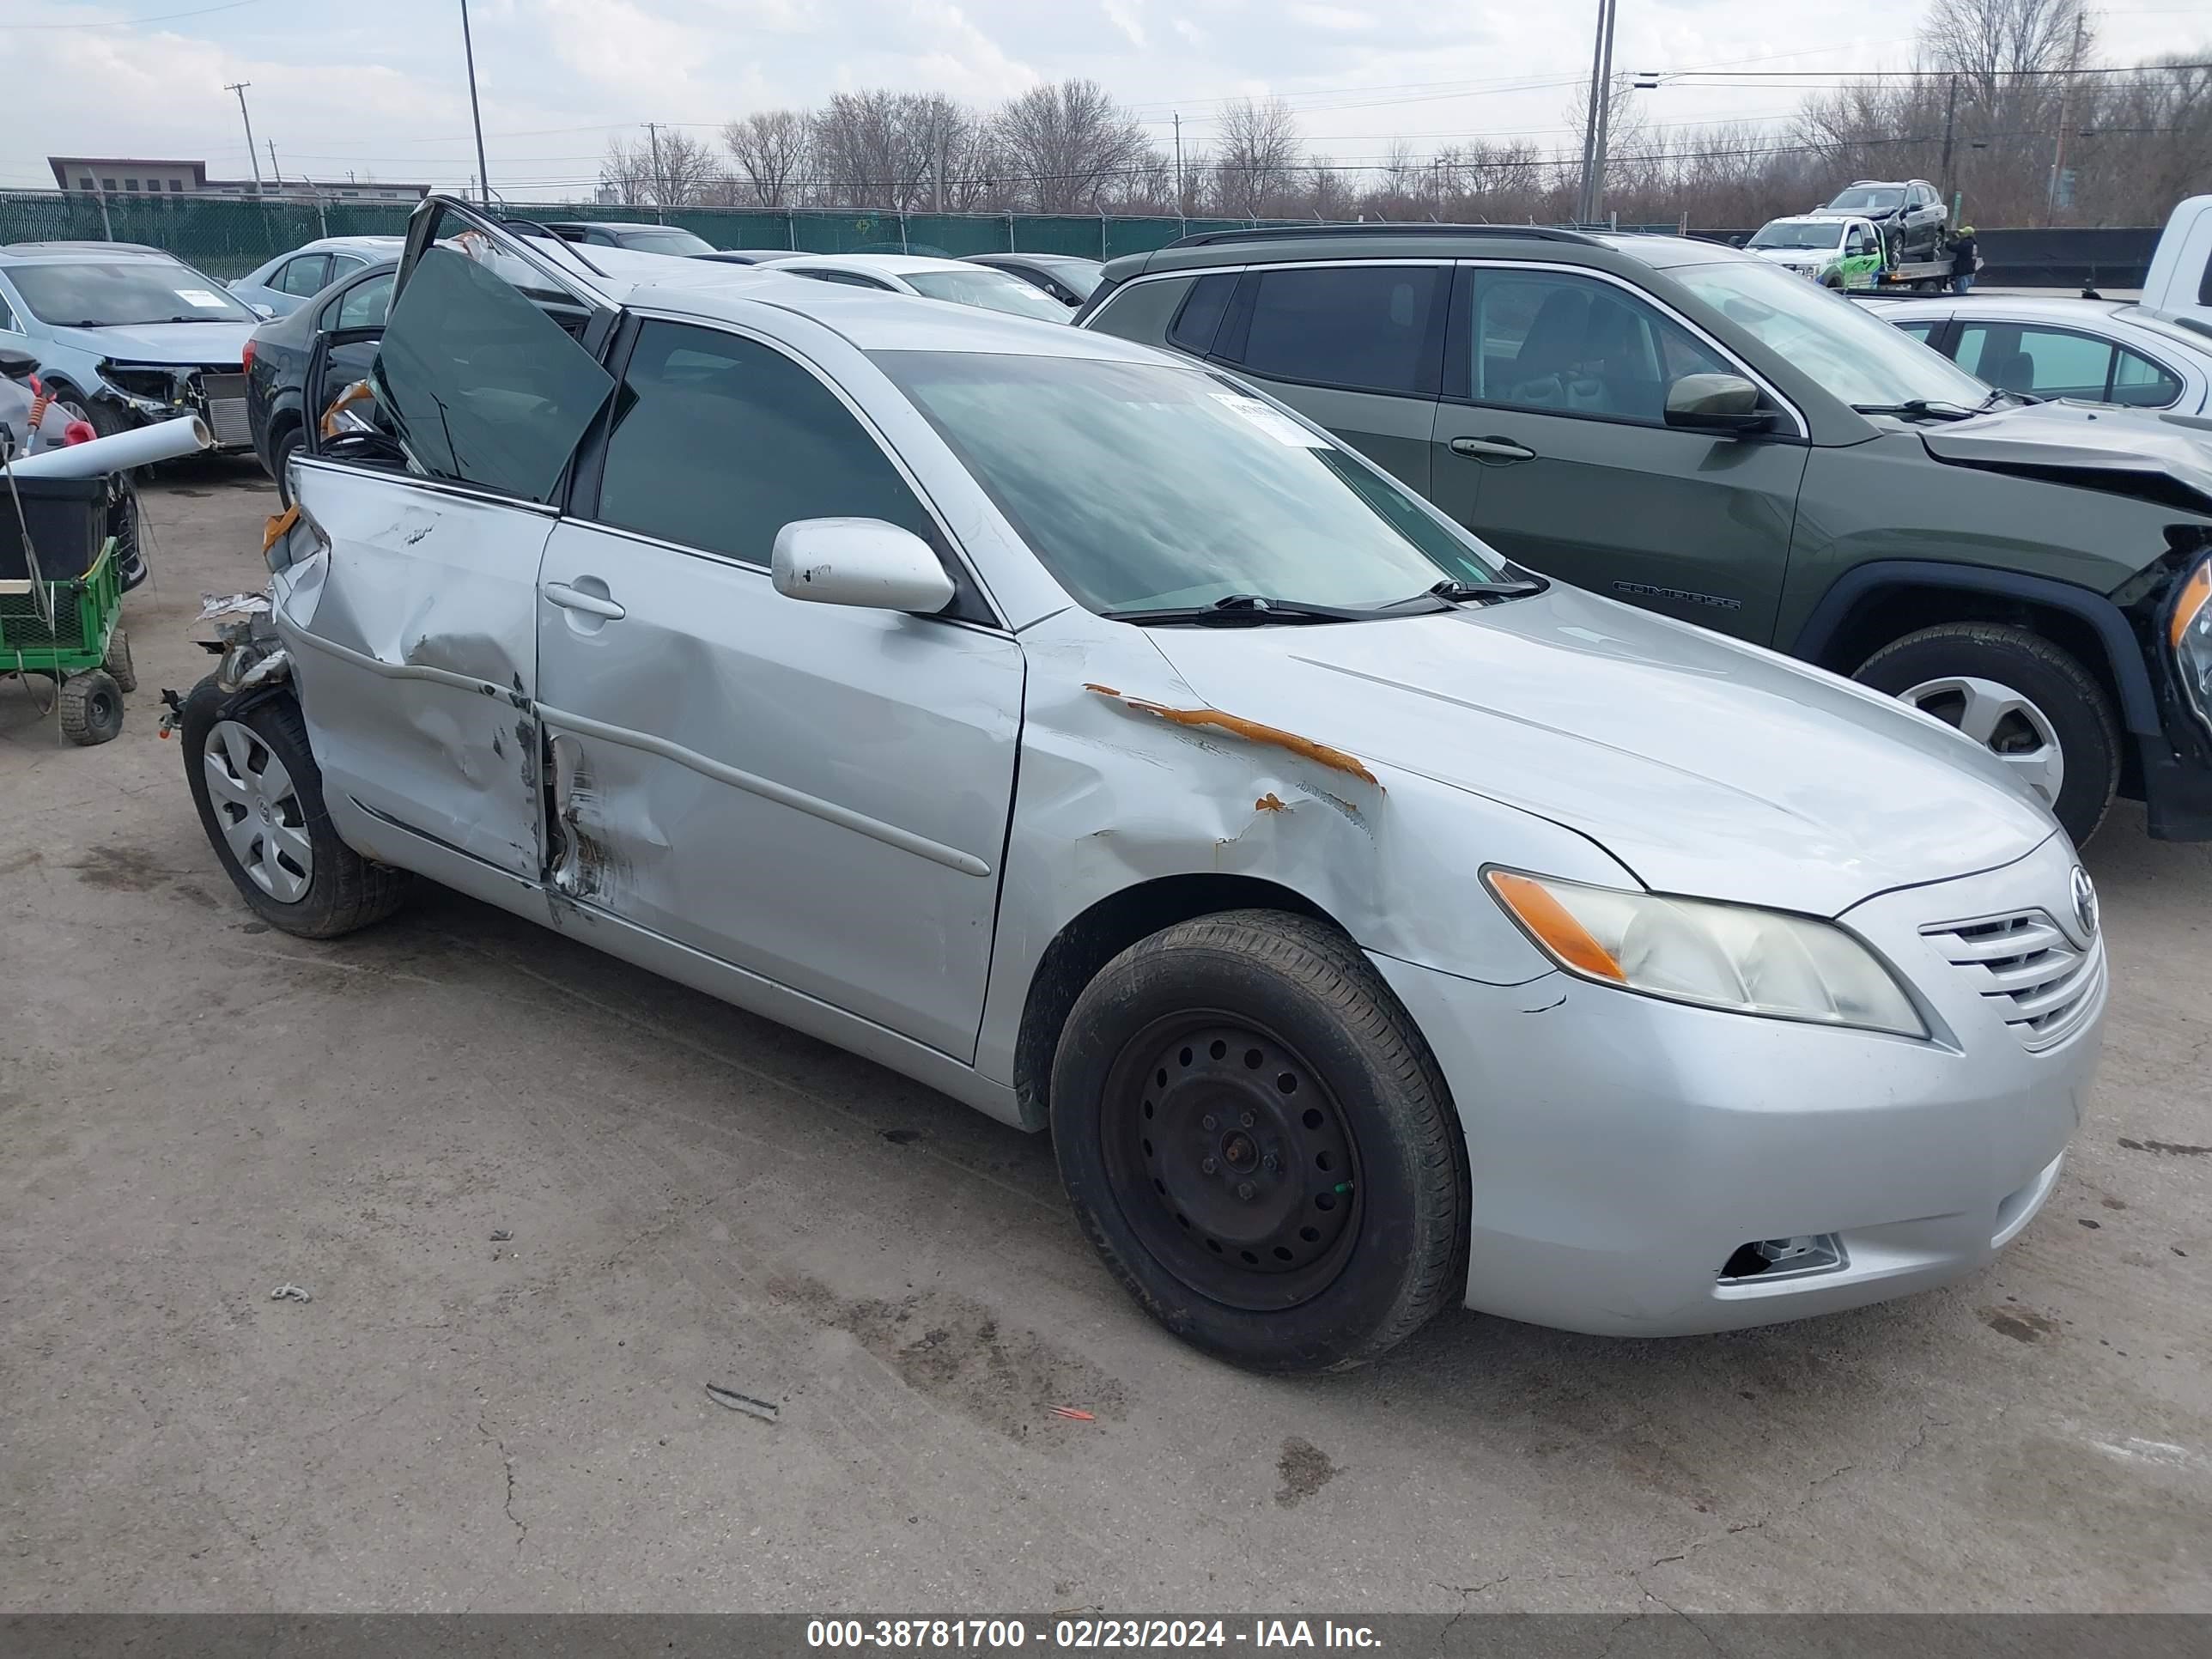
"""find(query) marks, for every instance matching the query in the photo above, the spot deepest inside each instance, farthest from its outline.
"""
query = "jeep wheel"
(260, 798)
(2037, 708)
(1258, 1143)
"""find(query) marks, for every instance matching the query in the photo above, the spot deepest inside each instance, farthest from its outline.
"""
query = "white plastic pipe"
(140, 446)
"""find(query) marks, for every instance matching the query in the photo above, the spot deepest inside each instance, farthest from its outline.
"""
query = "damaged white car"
(1376, 926)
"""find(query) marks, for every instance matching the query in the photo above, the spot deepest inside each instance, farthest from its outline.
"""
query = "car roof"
(871, 319)
(73, 252)
(2028, 307)
(1019, 258)
(884, 265)
(377, 244)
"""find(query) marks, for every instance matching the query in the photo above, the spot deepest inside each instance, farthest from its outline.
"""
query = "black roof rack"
(1291, 233)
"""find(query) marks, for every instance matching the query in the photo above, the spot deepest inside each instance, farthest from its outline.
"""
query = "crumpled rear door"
(428, 503)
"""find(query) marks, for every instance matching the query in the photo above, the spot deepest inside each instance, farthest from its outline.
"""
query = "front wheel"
(1259, 1144)
(2035, 707)
(260, 798)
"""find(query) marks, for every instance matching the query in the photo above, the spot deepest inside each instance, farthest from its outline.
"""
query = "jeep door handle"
(573, 598)
(1491, 449)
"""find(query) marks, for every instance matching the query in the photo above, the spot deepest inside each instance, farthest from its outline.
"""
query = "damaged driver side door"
(429, 500)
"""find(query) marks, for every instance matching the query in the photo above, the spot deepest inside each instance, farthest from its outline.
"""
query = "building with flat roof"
(117, 175)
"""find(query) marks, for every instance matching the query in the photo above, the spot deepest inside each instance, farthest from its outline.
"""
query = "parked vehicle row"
(124, 335)
(1693, 430)
(1377, 925)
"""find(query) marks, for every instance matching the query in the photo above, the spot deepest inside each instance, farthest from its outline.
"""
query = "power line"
(133, 22)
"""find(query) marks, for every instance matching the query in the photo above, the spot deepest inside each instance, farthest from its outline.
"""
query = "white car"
(2096, 351)
(933, 279)
(1060, 722)
(282, 285)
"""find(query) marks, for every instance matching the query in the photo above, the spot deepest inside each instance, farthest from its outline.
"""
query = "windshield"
(1144, 485)
(1855, 356)
(994, 290)
(1867, 201)
(665, 241)
(101, 296)
(1825, 233)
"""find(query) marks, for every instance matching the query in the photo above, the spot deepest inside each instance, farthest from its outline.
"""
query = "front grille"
(2043, 984)
(226, 408)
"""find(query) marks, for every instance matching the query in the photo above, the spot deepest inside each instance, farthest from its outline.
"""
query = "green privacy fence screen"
(227, 237)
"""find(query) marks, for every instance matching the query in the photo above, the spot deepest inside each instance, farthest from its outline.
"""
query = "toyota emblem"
(2085, 903)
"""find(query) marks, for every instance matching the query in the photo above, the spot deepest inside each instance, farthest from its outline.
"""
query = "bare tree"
(1257, 156)
(685, 170)
(888, 150)
(1066, 146)
(770, 148)
(627, 170)
(1994, 42)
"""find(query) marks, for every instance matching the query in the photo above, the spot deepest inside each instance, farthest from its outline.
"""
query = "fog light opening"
(1782, 1258)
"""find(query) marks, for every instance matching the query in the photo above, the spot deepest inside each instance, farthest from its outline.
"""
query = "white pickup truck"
(2180, 279)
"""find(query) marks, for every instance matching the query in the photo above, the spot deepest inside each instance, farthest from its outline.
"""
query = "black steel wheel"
(1258, 1142)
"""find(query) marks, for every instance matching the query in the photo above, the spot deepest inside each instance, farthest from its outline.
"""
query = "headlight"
(1718, 956)
(2191, 636)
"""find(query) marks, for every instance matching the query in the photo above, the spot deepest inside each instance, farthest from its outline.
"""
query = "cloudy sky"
(341, 85)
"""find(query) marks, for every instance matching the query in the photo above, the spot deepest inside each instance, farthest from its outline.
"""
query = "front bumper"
(1622, 1149)
(148, 394)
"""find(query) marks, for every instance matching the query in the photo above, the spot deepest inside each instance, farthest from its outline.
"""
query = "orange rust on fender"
(1251, 730)
(1270, 802)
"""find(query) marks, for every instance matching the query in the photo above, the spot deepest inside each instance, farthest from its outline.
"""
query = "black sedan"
(1067, 278)
(276, 361)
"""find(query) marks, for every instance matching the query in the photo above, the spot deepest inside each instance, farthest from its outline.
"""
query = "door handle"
(1491, 449)
(574, 599)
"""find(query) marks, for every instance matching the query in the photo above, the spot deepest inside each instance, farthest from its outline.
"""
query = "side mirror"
(863, 562)
(1725, 403)
(263, 312)
(17, 365)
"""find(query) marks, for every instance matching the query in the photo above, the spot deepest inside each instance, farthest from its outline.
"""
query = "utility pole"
(937, 157)
(252, 155)
(1950, 125)
(1604, 114)
(2065, 93)
(1182, 201)
(275, 172)
(476, 115)
(660, 178)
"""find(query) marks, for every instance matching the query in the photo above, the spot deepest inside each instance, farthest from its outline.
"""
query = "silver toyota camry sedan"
(1374, 926)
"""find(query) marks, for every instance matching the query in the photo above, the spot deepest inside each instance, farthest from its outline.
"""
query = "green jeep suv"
(1690, 428)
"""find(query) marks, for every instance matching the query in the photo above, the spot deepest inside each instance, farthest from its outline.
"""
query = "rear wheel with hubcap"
(1259, 1144)
(260, 798)
(2030, 703)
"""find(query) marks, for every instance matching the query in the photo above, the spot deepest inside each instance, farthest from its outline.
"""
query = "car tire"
(1961, 672)
(90, 707)
(1259, 1144)
(237, 763)
(119, 667)
(286, 445)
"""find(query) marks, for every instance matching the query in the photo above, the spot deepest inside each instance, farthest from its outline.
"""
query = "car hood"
(1793, 256)
(2157, 458)
(1706, 767)
(163, 343)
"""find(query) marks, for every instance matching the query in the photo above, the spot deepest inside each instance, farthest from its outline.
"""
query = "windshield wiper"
(1460, 592)
(1242, 610)
(1924, 408)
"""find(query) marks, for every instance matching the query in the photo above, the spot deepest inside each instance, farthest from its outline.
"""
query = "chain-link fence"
(227, 237)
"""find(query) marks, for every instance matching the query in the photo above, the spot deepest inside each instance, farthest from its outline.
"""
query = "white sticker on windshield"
(1272, 422)
(202, 298)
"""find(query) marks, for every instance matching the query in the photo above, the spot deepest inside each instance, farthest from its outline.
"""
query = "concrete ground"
(195, 1109)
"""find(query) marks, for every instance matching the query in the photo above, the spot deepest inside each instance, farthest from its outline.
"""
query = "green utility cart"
(61, 612)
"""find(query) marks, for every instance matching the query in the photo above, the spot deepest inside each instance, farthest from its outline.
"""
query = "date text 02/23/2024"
(1086, 1633)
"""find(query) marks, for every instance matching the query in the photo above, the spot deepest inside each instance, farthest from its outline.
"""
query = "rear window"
(1371, 327)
